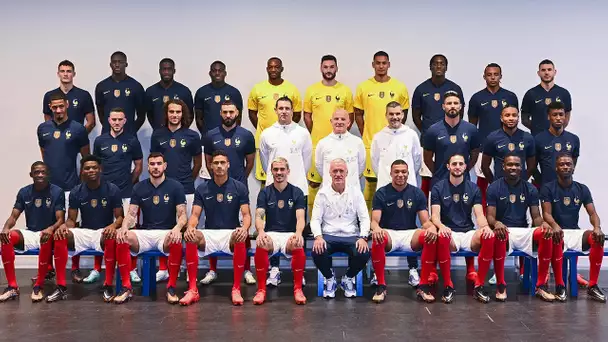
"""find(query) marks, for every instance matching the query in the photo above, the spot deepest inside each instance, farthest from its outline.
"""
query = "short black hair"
(509, 105)
(546, 61)
(438, 56)
(65, 62)
(167, 60)
(563, 155)
(329, 58)
(219, 153)
(89, 158)
(156, 155)
(217, 62)
(399, 162)
(57, 96)
(38, 163)
(493, 65)
(381, 54)
(119, 54)
(454, 155)
(283, 98)
(117, 110)
(276, 59)
(450, 93)
(554, 105)
(511, 154)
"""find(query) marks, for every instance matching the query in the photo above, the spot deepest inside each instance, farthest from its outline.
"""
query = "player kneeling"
(394, 210)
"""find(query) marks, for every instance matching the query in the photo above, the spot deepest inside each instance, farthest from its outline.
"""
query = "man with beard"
(536, 100)
(121, 90)
(508, 139)
(427, 106)
(161, 200)
(262, 104)
(80, 102)
(43, 204)
(509, 200)
(164, 90)
(239, 145)
(100, 206)
(562, 200)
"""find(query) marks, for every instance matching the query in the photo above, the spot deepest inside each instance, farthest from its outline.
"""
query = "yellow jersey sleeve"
(348, 100)
(297, 99)
(358, 102)
(308, 99)
(252, 101)
(404, 98)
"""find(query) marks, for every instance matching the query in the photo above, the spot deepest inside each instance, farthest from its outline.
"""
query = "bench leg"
(573, 275)
(320, 280)
(118, 280)
(533, 263)
(368, 270)
(359, 284)
(565, 270)
(526, 279)
(149, 275)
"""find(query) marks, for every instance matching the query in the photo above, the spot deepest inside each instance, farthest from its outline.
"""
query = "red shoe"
(259, 298)
(433, 278)
(190, 297)
(472, 277)
(581, 281)
(299, 296)
(237, 299)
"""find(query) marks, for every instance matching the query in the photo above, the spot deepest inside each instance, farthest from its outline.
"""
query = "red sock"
(123, 256)
(175, 261)
(486, 254)
(98, 260)
(261, 266)
(522, 263)
(545, 251)
(379, 259)
(75, 262)
(109, 254)
(238, 260)
(61, 260)
(500, 253)
(133, 263)
(482, 184)
(192, 265)
(596, 254)
(298, 262)
(557, 261)
(8, 259)
(162, 263)
(213, 263)
(470, 264)
(46, 252)
(247, 259)
(426, 186)
(445, 259)
(428, 258)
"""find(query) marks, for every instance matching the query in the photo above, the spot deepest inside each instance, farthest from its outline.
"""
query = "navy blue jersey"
(179, 148)
(512, 202)
(80, 103)
(537, 99)
(158, 204)
(221, 204)
(61, 145)
(281, 206)
(429, 98)
(399, 208)
(456, 203)
(566, 203)
(127, 94)
(209, 99)
(499, 144)
(445, 141)
(237, 143)
(96, 205)
(487, 107)
(157, 95)
(117, 155)
(40, 206)
(548, 146)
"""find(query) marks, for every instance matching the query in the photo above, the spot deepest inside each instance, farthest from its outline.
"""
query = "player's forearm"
(100, 114)
(140, 119)
(526, 120)
(473, 160)
(595, 221)
(428, 161)
(130, 220)
(259, 220)
(548, 217)
(487, 173)
(297, 116)
(200, 120)
(246, 221)
(375, 226)
(118, 222)
(135, 174)
(10, 223)
(196, 167)
(537, 221)
(253, 117)
(308, 121)
(417, 118)
(360, 120)
(90, 122)
(70, 223)
(192, 222)
(436, 220)
(249, 163)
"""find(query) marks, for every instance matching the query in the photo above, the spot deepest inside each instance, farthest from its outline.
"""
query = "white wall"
(516, 34)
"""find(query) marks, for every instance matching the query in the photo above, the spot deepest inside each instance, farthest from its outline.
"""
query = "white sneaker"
(210, 276)
(162, 276)
(414, 279)
(274, 277)
(92, 278)
(303, 281)
(348, 286)
(374, 281)
(134, 277)
(492, 280)
(329, 290)
(249, 279)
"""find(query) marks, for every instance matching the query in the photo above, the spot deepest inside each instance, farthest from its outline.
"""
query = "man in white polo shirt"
(289, 140)
(341, 144)
(340, 223)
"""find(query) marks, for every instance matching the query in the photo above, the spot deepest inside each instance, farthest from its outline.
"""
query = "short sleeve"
(476, 195)
(404, 98)
(473, 112)
(435, 195)
(243, 193)
(378, 201)
(545, 194)
(195, 146)
(207, 144)
(261, 201)
(180, 194)
(135, 197)
(421, 201)
(308, 100)
(531, 147)
(297, 100)
(348, 101)
(74, 200)
(429, 140)
(586, 195)
(252, 102)
(60, 201)
(97, 148)
(489, 147)
(83, 137)
(238, 100)
(99, 100)
(19, 202)
(45, 105)
(250, 143)
(492, 195)
(154, 143)
(300, 200)
(198, 195)
(475, 139)
(88, 106)
(116, 197)
(567, 101)
(140, 96)
(576, 147)
(533, 197)
(359, 98)
(137, 152)
(40, 140)
(417, 98)
(527, 103)
(198, 99)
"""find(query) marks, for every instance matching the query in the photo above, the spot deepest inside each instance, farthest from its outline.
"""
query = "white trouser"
(85, 239)
(151, 240)
(462, 241)
(401, 240)
(216, 240)
(279, 242)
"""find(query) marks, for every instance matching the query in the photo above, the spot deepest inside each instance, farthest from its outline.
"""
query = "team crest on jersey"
(38, 202)
(453, 139)
(558, 147)
(165, 98)
(172, 143)
(94, 203)
(391, 94)
(219, 198)
(511, 147)
(237, 141)
(166, 198)
(116, 92)
(465, 198)
(290, 203)
(48, 202)
(56, 134)
(512, 198)
(74, 103)
(114, 148)
(437, 97)
(456, 198)
(281, 204)
(275, 96)
(217, 98)
(568, 147)
(328, 98)
(465, 137)
(494, 103)
(182, 143)
(400, 203)
(227, 97)
(156, 199)
(337, 98)
(522, 198)
(68, 134)
(577, 201)
(104, 202)
(409, 203)
(548, 101)
(521, 146)
(566, 200)
(557, 99)
(125, 148)
(229, 197)
(381, 94)
(504, 103)
(127, 91)
(227, 142)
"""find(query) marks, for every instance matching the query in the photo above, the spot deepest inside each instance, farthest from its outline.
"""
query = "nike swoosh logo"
(484, 103)
(209, 197)
(104, 148)
(105, 92)
(261, 97)
(317, 98)
(271, 203)
(547, 147)
(501, 146)
(556, 200)
(145, 199)
(502, 198)
(389, 204)
(369, 95)
(537, 101)
(155, 99)
(448, 197)
(45, 134)
(28, 202)
(441, 137)
(207, 98)
(164, 142)
(217, 142)
(426, 94)
(83, 203)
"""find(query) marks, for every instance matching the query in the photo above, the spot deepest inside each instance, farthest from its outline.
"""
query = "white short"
(216, 240)
(401, 240)
(189, 202)
(521, 239)
(204, 173)
(573, 240)
(279, 242)
(31, 240)
(85, 239)
(424, 171)
(477, 167)
(462, 241)
(151, 240)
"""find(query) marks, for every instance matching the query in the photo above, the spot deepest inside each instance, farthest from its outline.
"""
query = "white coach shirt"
(346, 146)
(337, 214)
(389, 145)
(291, 142)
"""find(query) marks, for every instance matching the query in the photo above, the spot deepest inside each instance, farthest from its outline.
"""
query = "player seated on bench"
(395, 207)
(44, 206)
(335, 213)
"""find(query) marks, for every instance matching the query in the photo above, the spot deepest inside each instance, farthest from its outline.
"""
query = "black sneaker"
(124, 296)
(77, 276)
(50, 277)
(501, 293)
(448, 295)
(596, 294)
(481, 295)
(108, 293)
(60, 293)
(560, 293)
